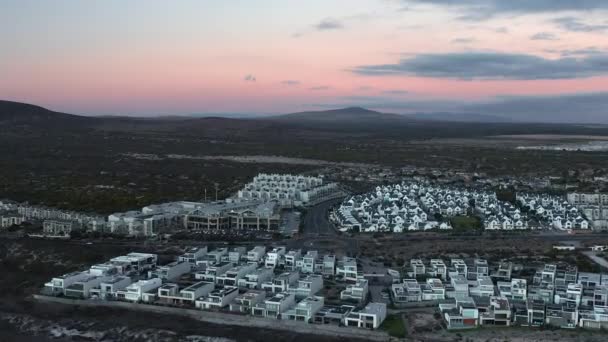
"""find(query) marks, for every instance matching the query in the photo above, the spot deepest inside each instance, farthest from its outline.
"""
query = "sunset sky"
(152, 57)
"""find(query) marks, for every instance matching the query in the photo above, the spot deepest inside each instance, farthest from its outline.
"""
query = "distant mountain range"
(32, 115)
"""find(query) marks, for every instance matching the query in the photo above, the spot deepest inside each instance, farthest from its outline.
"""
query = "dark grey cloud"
(491, 66)
(291, 83)
(569, 108)
(544, 36)
(577, 25)
(319, 88)
(591, 50)
(329, 24)
(250, 78)
(465, 40)
(484, 9)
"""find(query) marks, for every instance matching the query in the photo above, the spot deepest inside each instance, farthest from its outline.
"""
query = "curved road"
(316, 219)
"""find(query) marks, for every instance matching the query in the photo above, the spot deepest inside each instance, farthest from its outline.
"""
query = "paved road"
(316, 222)
(597, 259)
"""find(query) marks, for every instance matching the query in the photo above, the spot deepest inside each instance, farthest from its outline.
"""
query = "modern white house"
(254, 279)
(245, 302)
(232, 276)
(276, 305)
(356, 292)
(59, 284)
(138, 291)
(218, 299)
(192, 255)
(307, 286)
(304, 310)
(171, 271)
(274, 257)
(347, 269)
(370, 317)
(110, 286)
(256, 254)
(282, 282)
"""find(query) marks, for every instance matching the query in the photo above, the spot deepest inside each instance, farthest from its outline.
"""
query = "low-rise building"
(305, 310)
(254, 279)
(370, 317)
(282, 282)
(356, 292)
(171, 271)
(138, 291)
(276, 305)
(307, 286)
(217, 299)
(245, 302)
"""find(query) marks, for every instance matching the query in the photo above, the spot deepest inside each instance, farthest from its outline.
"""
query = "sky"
(153, 57)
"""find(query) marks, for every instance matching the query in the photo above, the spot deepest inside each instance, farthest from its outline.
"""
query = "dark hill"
(351, 115)
(27, 115)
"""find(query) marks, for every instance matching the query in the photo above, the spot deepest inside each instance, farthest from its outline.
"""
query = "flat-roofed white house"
(197, 290)
(105, 269)
(370, 317)
(307, 286)
(282, 282)
(234, 274)
(193, 254)
(254, 279)
(218, 299)
(347, 269)
(356, 292)
(256, 254)
(246, 301)
(110, 286)
(137, 291)
(305, 310)
(82, 287)
(59, 284)
(308, 262)
(329, 265)
(211, 273)
(291, 259)
(135, 262)
(273, 307)
(171, 271)
(236, 254)
(274, 257)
